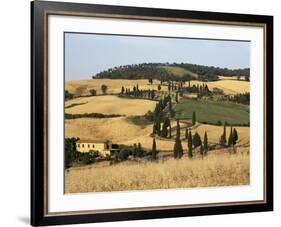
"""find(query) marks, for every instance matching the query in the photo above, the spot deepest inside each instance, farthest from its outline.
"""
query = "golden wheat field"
(82, 87)
(110, 104)
(216, 169)
(228, 86)
(121, 130)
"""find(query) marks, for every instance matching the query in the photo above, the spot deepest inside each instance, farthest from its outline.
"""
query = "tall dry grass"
(217, 169)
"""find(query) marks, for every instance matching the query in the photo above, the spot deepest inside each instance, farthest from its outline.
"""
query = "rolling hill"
(169, 71)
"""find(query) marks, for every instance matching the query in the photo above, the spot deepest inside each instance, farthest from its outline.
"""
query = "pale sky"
(88, 54)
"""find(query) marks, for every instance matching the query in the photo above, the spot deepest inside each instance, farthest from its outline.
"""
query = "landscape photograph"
(148, 113)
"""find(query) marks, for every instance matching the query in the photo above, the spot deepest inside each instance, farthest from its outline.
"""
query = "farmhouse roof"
(93, 141)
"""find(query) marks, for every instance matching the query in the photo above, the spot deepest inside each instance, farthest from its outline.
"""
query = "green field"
(213, 111)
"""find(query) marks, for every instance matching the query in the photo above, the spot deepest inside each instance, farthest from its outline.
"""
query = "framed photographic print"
(142, 113)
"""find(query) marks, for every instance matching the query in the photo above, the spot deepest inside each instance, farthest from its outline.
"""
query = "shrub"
(68, 95)
(104, 88)
(196, 140)
(93, 92)
(149, 116)
(123, 154)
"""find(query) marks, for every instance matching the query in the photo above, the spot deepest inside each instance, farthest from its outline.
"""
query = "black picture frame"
(39, 110)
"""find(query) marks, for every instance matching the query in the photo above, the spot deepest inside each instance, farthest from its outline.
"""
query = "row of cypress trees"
(232, 138)
(192, 141)
(138, 93)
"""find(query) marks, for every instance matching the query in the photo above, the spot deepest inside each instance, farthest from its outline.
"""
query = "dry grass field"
(82, 87)
(216, 169)
(110, 104)
(118, 129)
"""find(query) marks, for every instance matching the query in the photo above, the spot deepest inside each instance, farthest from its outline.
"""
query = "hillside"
(168, 72)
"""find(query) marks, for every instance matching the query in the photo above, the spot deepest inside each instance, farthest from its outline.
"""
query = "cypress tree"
(165, 127)
(149, 94)
(154, 152)
(160, 104)
(205, 143)
(152, 94)
(159, 87)
(193, 118)
(235, 136)
(154, 128)
(170, 129)
(135, 150)
(189, 145)
(170, 103)
(178, 151)
(134, 89)
(158, 123)
(186, 133)
(122, 90)
(177, 98)
(223, 136)
(139, 146)
(230, 138)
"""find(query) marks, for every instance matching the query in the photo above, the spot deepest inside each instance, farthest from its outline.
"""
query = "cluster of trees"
(72, 155)
(161, 117)
(138, 93)
(157, 71)
(135, 151)
(200, 89)
(195, 141)
(175, 86)
(192, 143)
(68, 95)
(232, 138)
(137, 71)
(243, 98)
